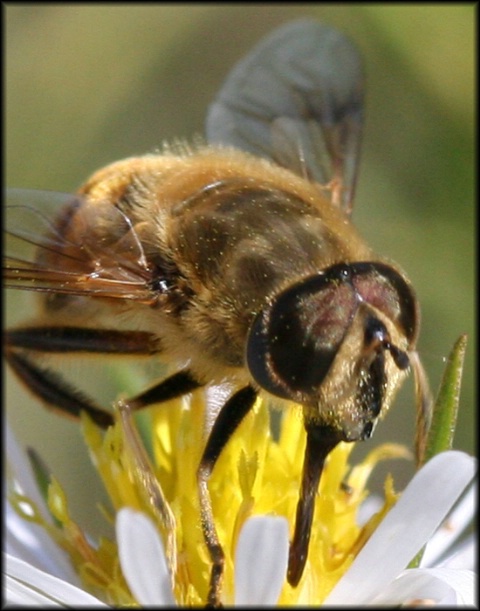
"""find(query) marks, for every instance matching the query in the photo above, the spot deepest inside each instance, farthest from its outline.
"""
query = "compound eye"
(293, 342)
(382, 287)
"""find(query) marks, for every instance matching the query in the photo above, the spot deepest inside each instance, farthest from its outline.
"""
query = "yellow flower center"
(255, 475)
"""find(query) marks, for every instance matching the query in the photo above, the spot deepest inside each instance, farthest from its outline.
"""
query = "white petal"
(452, 528)
(368, 508)
(31, 543)
(261, 561)
(26, 585)
(463, 582)
(443, 587)
(142, 558)
(19, 465)
(464, 555)
(26, 540)
(406, 528)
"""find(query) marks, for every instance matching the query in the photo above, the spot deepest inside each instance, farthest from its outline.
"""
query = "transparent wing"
(297, 99)
(53, 242)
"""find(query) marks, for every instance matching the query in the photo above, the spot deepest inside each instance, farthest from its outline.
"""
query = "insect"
(235, 261)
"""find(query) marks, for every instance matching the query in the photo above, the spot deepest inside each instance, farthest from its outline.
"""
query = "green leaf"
(42, 474)
(444, 414)
(445, 409)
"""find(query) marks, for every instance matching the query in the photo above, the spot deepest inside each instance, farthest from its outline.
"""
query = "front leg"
(230, 416)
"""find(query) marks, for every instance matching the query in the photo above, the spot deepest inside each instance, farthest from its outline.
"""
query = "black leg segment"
(230, 416)
(177, 385)
(53, 390)
(81, 339)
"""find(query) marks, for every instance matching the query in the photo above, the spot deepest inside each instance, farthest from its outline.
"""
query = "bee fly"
(238, 258)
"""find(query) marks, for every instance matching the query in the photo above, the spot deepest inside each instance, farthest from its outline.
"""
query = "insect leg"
(50, 387)
(176, 385)
(57, 393)
(230, 416)
(54, 391)
(81, 339)
(320, 442)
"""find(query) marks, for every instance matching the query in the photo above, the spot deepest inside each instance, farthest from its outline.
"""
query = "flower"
(26, 585)
(411, 524)
(254, 489)
(264, 543)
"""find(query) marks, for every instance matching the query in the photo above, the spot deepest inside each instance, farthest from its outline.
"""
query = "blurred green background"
(86, 85)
